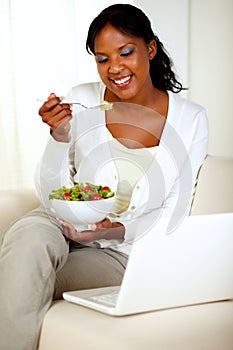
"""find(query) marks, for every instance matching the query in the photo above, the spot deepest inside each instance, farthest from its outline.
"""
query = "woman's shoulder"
(180, 102)
(88, 93)
(186, 115)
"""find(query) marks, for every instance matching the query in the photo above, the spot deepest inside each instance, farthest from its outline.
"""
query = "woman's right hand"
(57, 116)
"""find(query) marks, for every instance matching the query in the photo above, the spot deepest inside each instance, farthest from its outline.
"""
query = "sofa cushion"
(205, 326)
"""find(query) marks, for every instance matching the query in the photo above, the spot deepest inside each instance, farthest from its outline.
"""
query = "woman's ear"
(152, 49)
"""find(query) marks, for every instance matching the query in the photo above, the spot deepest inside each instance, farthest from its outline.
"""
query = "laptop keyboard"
(109, 299)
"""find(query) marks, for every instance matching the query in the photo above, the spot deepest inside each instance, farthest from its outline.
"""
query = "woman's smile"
(122, 82)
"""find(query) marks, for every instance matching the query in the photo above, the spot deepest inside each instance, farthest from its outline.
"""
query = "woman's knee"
(35, 244)
(33, 230)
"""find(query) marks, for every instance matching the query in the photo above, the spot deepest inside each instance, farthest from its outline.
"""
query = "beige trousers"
(36, 266)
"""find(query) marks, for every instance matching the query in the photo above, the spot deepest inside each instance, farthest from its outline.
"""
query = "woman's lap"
(89, 267)
(84, 267)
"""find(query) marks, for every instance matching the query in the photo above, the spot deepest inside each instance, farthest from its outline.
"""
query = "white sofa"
(201, 327)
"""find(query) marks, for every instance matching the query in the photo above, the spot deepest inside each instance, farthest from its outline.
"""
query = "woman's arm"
(55, 168)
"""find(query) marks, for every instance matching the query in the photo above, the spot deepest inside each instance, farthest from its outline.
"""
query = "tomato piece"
(88, 189)
(105, 188)
(96, 196)
(66, 195)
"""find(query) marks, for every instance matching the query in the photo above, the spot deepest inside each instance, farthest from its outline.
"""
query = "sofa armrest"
(14, 204)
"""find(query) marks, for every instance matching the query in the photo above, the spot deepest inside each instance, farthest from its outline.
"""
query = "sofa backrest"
(214, 193)
(14, 204)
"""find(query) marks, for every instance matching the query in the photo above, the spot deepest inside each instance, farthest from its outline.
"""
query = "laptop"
(192, 265)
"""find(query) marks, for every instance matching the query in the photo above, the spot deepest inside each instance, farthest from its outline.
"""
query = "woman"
(168, 131)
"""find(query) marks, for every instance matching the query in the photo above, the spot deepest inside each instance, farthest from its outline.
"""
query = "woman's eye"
(101, 59)
(127, 52)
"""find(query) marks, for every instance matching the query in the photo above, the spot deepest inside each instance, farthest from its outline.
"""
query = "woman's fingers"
(57, 116)
(52, 113)
(48, 105)
(106, 223)
(69, 230)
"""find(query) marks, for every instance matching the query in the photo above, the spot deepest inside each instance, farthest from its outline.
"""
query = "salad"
(82, 192)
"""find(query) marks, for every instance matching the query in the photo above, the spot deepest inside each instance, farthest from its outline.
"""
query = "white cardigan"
(165, 191)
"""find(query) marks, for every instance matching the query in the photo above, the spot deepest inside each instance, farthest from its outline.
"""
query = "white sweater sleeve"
(54, 170)
(57, 165)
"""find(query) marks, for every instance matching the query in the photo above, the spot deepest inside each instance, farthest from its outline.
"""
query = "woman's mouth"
(122, 82)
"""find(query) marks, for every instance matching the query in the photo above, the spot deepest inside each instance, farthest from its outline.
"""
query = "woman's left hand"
(100, 230)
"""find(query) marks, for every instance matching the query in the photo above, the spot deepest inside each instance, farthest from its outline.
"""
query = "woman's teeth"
(122, 81)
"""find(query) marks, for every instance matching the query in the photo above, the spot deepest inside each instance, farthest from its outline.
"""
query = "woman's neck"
(154, 99)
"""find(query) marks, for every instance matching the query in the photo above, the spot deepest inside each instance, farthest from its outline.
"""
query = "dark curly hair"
(132, 21)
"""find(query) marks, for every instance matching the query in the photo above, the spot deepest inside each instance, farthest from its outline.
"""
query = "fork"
(104, 105)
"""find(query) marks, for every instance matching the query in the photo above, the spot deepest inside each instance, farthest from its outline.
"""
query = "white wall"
(169, 21)
(198, 35)
(211, 68)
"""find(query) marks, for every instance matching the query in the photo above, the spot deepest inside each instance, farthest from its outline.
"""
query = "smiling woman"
(147, 147)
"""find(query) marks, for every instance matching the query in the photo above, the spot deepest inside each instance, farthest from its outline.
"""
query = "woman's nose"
(115, 67)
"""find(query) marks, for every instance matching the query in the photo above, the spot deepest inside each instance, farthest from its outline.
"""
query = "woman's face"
(123, 64)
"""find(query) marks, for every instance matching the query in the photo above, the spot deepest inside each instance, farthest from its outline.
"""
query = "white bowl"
(81, 213)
